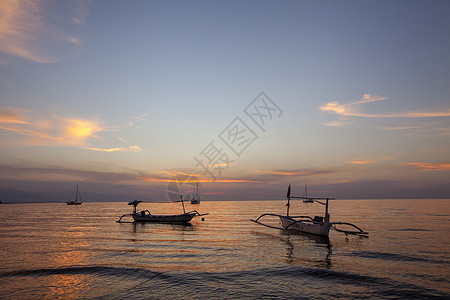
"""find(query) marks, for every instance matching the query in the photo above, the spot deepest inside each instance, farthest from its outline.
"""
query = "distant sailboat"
(76, 201)
(305, 195)
(195, 195)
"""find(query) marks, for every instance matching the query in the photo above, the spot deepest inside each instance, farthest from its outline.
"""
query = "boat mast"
(289, 198)
(198, 192)
(182, 202)
(76, 195)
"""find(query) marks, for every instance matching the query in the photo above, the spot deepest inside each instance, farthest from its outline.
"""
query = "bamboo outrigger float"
(318, 225)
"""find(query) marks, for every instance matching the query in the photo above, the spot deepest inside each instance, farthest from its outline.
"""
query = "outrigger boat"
(319, 225)
(146, 216)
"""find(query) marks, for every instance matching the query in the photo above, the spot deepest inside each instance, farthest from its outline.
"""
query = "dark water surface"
(51, 251)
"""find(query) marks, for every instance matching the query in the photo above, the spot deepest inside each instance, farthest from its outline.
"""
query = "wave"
(395, 257)
(411, 229)
(284, 282)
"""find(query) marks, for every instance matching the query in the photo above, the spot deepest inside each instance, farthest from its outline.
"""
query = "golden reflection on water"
(408, 241)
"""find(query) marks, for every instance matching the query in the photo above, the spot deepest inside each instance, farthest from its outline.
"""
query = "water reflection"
(142, 227)
(301, 249)
(319, 250)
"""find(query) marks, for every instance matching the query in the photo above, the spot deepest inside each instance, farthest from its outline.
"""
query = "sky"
(141, 99)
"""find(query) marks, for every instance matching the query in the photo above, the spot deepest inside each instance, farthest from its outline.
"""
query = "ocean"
(56, 251)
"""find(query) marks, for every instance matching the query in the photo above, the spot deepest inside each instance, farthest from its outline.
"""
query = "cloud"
(426, 129)
(45, 130)
(336, 123)
(36, 30)
(129, 184)
(363, 162)
(428, 166)
(54, 173)
(401, 127)
(56, 130)
(301, 172)
(12, 116)
(353, 110)
(191, 176)
(76, 131)
(119, 149)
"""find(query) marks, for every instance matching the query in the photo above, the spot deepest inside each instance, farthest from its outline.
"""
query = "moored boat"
(317, 225)
(195, 195)
(76, 201)
(146, 216)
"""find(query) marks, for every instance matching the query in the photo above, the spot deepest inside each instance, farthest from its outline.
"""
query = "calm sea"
(55, 251)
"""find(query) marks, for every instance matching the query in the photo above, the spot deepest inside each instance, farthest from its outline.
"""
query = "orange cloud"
(194, 179)
(12, 116)
(429, 166)
(77, 130)
(55, 130)
(120, 149)
(341, 181)
(363, 162)
(289, 172)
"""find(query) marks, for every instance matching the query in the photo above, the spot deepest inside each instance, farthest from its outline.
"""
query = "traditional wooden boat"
(76, 201)
(146, 216)
(318, 225)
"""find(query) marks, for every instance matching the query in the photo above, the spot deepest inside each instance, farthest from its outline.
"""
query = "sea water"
(55, 251)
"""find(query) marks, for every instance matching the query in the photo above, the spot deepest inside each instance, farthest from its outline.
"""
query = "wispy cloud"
(426, 129)
(363, 162)
(50, 129)
(10, 115)
(336, 123)
(40, 129)
(118, 149)
(428, 166)
(352, 109)
(191, 176)
(36, 30)
(58, 174)
(301, 172)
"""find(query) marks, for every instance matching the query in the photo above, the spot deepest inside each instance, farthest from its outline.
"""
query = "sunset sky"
(351, 97)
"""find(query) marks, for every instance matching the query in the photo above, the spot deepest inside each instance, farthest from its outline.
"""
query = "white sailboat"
(76, 201)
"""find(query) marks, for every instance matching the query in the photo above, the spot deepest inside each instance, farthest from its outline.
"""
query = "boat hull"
(182, 218)
(73, 203)
(317, 228)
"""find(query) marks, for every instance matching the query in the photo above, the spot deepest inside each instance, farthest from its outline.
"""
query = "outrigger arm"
(347, 232)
